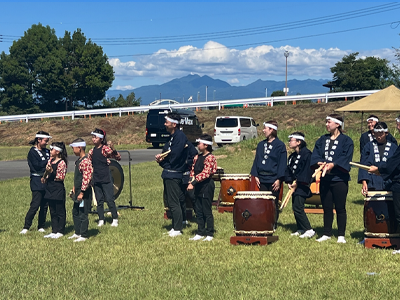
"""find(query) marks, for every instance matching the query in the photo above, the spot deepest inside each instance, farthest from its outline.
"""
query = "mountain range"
(180, 89)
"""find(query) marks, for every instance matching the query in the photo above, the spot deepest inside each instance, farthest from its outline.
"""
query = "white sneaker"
(57, 235)
(23, 231)
(297, 233)
(172, 230)
(308, 234)
(396, 252)
(114, 223)
(323, 238)
(41, 230)
(196, 238)
(74, 236)
(175, 233)
(101, 223)
(80, 239)
(341, 240)
(49, 235)
(208, 239)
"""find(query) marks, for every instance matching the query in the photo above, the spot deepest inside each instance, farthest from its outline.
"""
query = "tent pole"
(362, 118)
(343, 120)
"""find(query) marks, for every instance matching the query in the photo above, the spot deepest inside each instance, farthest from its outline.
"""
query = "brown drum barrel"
(254, 211)
(231, 184)
(379, 218)
(220, 173)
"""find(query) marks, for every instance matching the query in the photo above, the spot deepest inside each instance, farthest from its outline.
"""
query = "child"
(103, 186)
(204, 166)
(55, 190)
(81, 192)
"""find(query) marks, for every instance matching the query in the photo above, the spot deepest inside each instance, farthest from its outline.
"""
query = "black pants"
(182, 201)
(267, 187)
(204, 215)
(396, 204)
(58, 215)
(105, 191)
(173, 194)
(36, 203)
(334, 192)
(298, 209)
(80, 217)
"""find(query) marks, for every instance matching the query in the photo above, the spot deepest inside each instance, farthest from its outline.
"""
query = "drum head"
(117, 175)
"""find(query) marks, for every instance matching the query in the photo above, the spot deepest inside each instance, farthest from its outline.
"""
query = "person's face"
(169, 126)
(77, 150)
(42, 143)
(331, 126)
(380, 137)
(202, 147)
(371, 124)
(54, 153)
(96, 140)
(267, 131)
(293, 143)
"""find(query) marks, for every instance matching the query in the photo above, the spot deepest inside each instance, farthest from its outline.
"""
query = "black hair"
(208, 138)
(102, 132)
(303, 144)
(372, 116)
(175, 116)
(380, 125)
(63, 153)
(36, 140)
(274, 133)
(79, 140)
(338, 117)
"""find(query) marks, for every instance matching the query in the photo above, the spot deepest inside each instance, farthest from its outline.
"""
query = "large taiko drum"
(230, 185)
(254, 213)
(379, 217)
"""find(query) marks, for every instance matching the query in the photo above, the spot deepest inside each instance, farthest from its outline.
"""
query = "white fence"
(219, 104)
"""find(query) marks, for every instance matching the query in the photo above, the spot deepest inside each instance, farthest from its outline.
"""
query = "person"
(204, 167)
(192, 152)
(375, 153)
(334, 151)
(174, 165)
(55, 191)
(81, 192)
(270, 162)
(298, 169)
(102, 181)
(368, 136)
(38, 156)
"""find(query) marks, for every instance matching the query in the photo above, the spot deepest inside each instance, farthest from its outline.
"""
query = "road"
(19, 168)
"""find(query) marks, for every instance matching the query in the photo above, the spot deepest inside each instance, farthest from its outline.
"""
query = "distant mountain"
(195, 86)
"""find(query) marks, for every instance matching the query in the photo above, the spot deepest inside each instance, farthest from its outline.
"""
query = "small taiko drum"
(219, 174)
(230, 185)
(379, 217)
(254, 213)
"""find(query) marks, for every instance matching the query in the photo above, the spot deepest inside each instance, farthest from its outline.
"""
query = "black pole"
(362, 118)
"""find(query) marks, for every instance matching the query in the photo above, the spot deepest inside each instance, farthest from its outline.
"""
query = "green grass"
(136, 261)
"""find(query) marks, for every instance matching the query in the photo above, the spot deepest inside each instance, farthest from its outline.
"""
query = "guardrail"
(220, 103)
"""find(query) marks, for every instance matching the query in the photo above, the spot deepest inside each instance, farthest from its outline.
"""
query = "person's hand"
(49, 168)
(276, 185)
(329, 167)
(364, 190)
(257, 181)
(42, 180)
(190, 186)
(292, 186)
(159, 158)
(111, 145)
(80, 196)
(374, 170)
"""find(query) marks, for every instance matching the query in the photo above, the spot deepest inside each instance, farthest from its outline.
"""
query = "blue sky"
(234, 41)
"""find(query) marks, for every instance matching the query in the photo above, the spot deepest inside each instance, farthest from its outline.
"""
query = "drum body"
(230, 185)
(219, 174)
(379, 217)
(253, 184)
(254, 213)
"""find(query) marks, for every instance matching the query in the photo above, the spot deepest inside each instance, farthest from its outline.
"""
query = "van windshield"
(227, 122)
(155, 121)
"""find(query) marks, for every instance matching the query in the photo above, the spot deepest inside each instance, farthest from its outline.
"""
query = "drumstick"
(287, 197)
(324, 171)
(318, 170)
(364, 167)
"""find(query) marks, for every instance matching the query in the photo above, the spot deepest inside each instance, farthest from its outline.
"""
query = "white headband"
(98, 135)
(78, 144)
(373, 119)
(297, 137)
(171, 120)
(397, 120)
(380, 130)
(204, 142)
(56, 148)
(335, 120)
(270, 126)
(43, 136)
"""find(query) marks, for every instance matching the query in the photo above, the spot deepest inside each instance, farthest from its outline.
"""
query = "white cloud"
(124, 87)
(234, 65)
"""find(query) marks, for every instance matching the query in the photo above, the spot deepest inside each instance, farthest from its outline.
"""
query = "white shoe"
(101, 223)
(297, 233)
(396, 252)
(41, 230)
(175, 233)
(341, 240)
(49, 235)
(80, 239)
(185, 222)
(23, 231)
(114, 223)
(208, 239)
(323, 238)
(196, 238)
(308, 234)
(172, 230)
(57, 235)
(74, 236)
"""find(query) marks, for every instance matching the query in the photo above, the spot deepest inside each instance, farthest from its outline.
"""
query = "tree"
(357, 74)
(129, 101)
(278, 93)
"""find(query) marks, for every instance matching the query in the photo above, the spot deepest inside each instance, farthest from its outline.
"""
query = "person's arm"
(109, 152)
(61, 171)
(86, 168)
(210, 167)
(282, 163)
(254, 171)
(35, 162)
(365, 160)
(305, 172)
(317, 155)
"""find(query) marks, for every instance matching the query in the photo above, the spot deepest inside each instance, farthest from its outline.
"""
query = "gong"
(117, 175)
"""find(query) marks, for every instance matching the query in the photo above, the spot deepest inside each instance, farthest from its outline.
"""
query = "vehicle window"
(152, 120)
(245, 122)
(253, 122)
(227, 122)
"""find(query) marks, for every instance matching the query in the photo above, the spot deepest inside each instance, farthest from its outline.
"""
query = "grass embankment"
(136, 261)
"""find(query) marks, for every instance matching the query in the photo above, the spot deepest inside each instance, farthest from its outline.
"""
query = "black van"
(156, 133)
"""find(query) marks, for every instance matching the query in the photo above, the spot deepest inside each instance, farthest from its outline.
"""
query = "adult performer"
(335, 150)
(368, 136)
(270, 162)
(374, 154)
(174, 165)
(38, 156)
(299, 170)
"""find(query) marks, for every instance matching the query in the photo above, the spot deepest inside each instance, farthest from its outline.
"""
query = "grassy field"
(136, 261)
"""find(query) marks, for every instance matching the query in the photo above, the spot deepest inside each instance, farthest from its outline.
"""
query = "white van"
(233, 129)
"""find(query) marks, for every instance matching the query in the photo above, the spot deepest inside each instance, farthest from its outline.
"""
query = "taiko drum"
(230, 185)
